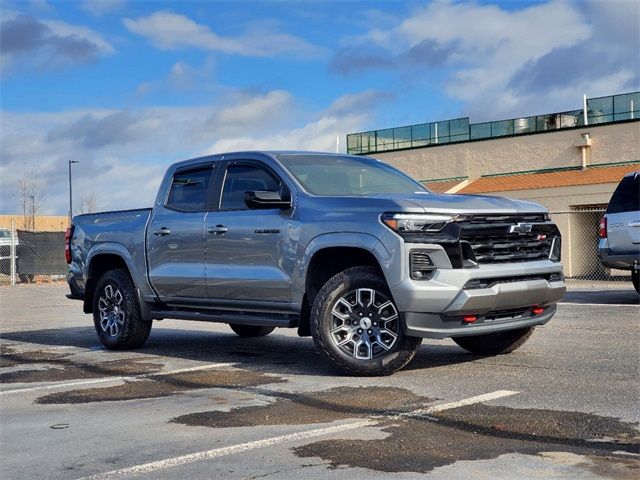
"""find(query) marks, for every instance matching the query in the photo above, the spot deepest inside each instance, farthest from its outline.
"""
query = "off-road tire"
(495, 343)
(133, 331)
(249, 331)
(321, 321)
(635, 278)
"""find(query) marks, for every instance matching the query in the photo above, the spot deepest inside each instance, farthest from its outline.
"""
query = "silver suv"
(620, 229)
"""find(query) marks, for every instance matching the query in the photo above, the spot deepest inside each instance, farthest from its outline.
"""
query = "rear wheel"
(635, 278)
(356, 325)
(495, 343)
(248, 331)
(116, 314)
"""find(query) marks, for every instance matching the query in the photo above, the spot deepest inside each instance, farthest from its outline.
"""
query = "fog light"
(469, 318)
(421, 265)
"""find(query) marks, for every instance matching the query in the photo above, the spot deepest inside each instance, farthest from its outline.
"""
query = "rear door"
(623, 216)
(176, 235)
(247, 249)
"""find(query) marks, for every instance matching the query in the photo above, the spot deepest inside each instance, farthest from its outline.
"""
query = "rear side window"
(189, 190)
(626, 198)
(243, 178)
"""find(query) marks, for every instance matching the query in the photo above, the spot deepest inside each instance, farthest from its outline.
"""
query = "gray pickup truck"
(344, 248)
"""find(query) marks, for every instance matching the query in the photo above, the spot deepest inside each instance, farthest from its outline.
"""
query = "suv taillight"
(67, 244)
(603, 227)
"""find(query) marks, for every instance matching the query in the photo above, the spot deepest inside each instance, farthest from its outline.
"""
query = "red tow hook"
(469, 318)
(537, 309)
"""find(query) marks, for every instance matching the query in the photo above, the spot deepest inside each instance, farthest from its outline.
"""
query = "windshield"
(333, 175)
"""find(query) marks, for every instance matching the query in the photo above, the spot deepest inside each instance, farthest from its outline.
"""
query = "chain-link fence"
(31, 257)
(582, 267)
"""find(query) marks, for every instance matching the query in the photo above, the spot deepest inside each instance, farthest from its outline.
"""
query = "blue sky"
(128, 87)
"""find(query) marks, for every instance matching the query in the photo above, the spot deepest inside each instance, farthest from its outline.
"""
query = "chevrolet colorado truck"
(346, 249)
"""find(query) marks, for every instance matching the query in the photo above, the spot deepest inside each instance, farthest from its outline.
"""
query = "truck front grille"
(509, 248)
(504, 239)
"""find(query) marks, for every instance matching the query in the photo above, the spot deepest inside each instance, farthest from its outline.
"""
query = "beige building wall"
(44, 223)
(618, 142)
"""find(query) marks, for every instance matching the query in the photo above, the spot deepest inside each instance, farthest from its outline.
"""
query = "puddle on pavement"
(61, 368)
(9, 357)
(482, 432)
(314, 407)
(162, 386)
(69, 371)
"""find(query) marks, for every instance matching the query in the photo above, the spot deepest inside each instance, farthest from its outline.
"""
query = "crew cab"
(346, 249)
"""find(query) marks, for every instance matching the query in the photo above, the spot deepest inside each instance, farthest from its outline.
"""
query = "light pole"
(33, 213)
(71, 192)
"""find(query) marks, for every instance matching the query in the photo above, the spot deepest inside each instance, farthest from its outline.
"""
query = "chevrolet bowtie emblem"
(520, 228)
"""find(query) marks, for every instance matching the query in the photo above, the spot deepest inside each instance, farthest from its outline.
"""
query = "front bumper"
(435, 308)
(433, 325)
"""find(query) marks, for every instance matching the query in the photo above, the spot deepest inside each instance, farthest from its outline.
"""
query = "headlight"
(416, 222)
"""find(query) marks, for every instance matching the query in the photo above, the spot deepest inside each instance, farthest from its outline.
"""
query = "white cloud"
(348, 113)
(171, 31)
(504, 62)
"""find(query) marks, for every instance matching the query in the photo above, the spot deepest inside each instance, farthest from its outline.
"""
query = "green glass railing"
(613, 108)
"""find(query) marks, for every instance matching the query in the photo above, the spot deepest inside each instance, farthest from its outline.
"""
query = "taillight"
(603, 227)
(67, 244)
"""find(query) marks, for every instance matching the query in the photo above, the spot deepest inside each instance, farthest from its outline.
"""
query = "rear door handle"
(162, 232)
(218, 230)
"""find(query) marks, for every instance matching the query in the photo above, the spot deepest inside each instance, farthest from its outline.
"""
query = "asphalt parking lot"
(200, 402)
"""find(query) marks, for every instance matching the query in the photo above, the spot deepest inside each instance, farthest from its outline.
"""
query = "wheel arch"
(333, 254)
(100, 261)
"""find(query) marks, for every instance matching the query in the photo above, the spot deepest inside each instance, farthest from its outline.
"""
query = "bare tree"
(31, 195)
(88, 203)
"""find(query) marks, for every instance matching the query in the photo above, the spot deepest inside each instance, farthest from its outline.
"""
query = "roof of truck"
(271, 153)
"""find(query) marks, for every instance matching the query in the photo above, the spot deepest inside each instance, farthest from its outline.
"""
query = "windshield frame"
(281, 159)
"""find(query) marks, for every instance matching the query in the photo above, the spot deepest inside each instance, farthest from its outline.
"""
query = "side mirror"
(263, 199)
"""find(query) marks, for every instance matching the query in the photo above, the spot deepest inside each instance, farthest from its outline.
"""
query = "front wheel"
(356, 325)
(249, 331)
(116, 315)
(495, 343)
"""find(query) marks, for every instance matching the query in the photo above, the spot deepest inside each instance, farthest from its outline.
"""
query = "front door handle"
(218, 230)
(162, 232)
(634, 224)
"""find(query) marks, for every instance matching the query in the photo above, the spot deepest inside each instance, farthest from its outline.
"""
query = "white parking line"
(268, 442)
(94, 381)
(461, 403)
(601, 304)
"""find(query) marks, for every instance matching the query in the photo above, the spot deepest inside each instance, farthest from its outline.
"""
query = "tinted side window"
(626, 198)
(243, 178)
(189, 190)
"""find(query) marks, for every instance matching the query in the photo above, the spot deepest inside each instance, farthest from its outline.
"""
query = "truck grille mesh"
(491, 241)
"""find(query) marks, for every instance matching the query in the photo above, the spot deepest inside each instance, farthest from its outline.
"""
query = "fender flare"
(363, 241)
(119, 250)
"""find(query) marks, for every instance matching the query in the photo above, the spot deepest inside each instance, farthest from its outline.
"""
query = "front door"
(176, 236)
(246, 249)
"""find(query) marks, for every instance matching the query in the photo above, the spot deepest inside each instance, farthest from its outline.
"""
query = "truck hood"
(444, 203)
